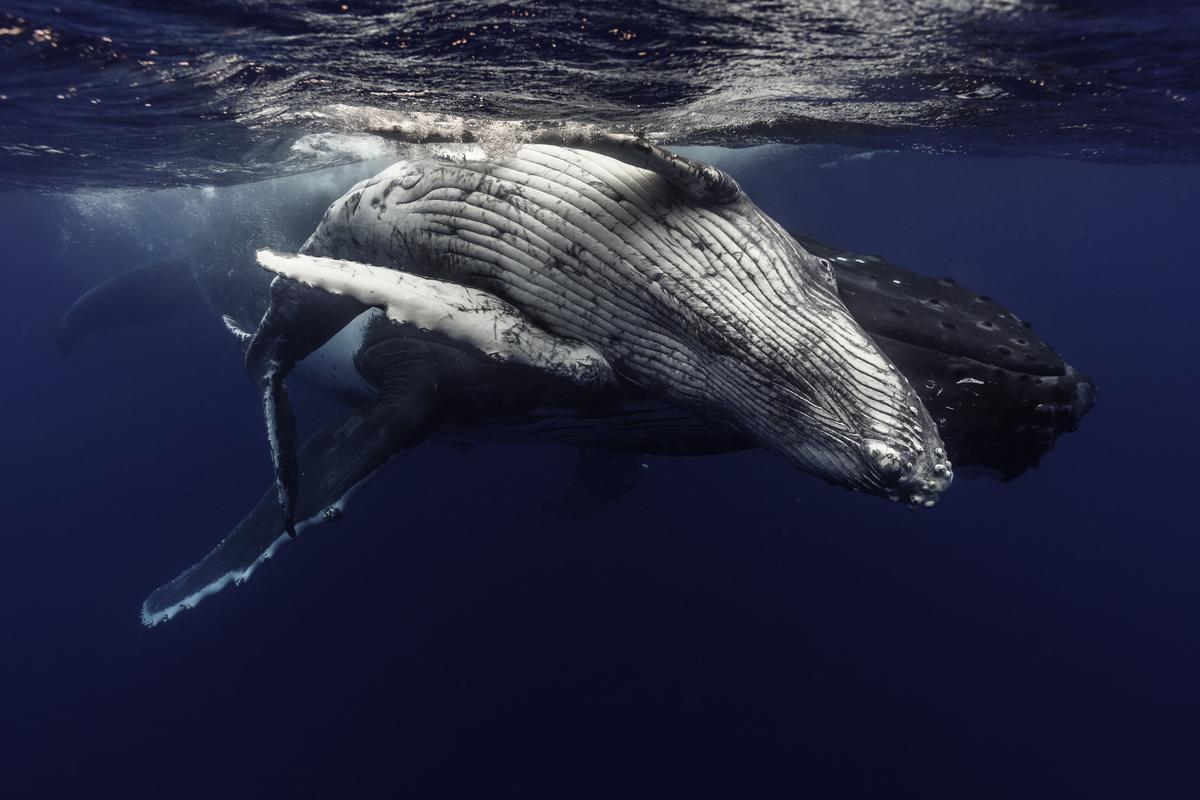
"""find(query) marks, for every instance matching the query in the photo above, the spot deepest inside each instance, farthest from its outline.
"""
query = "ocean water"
(728, 628)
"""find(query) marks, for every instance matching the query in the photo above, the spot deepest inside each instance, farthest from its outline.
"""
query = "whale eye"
(826, 270)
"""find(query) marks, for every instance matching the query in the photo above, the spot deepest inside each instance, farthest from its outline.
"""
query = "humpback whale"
(404, 323)
(662, 264)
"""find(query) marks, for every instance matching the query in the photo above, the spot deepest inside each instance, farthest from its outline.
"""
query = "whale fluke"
(140, 294)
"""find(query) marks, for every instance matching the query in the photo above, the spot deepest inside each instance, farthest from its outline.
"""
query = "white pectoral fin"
(470, 318)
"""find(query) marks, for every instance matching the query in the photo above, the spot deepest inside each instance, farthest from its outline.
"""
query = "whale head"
(781, 358)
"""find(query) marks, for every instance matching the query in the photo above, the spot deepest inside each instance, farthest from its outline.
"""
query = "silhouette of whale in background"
(141, 294)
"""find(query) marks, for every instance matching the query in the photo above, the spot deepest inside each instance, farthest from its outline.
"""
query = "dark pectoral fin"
(135, 295)
(298, 321)
(281, 434)
(331, 465)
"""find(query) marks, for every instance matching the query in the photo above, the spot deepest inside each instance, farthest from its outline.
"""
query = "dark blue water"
(730, 628)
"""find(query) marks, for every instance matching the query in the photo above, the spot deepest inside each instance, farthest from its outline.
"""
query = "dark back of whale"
(1000, 395)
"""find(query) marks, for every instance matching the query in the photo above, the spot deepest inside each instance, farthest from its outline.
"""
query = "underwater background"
(728, 628)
